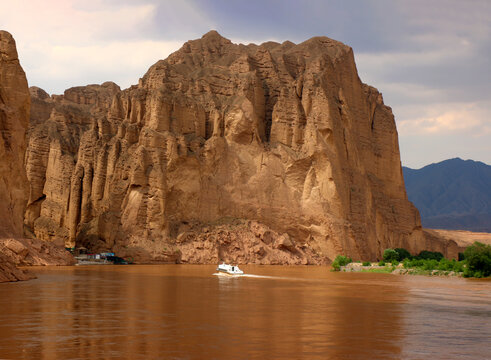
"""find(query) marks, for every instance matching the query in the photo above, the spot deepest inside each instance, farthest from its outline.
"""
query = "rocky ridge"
(218, 145)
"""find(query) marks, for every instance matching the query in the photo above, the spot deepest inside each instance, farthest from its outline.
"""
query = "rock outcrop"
(29, 252)
(215, 142)
(34, 252)
(14, 188)
(14, 117)
(10, 272)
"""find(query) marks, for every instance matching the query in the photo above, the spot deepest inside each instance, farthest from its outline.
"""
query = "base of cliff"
(10, 272)
(29, 252)
(241, 241)
(235, 241)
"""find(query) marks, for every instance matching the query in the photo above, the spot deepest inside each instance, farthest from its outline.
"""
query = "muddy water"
(184, 312)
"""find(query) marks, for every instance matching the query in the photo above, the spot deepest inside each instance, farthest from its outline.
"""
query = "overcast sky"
(430, 59)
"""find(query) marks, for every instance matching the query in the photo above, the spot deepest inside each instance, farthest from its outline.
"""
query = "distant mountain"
(454, 194)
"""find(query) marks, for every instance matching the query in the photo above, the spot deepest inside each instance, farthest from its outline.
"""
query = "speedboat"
(229, 269)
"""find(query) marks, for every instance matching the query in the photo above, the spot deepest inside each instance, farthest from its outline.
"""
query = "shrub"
(417, 262)
(446, 265)
(430, 264)
(402, 254)
(461, 256)
(478, 259)
(366, 263)
(395, 262)
(390, 255)
(459, 266)
(339, 261)
(430, 255)
(381, 263)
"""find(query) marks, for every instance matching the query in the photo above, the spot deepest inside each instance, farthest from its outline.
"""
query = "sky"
(430, 59)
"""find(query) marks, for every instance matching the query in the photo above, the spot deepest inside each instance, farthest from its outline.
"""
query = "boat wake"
(263, 276)
(252, 276)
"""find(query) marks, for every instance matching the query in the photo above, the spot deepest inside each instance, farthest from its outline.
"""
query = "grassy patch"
(384, 270)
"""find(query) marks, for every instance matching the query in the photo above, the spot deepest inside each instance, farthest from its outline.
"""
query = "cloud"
(64, 43)
(436, 79)
(65, 66)
(443, 50)
(410, 93)
(68, 22)
(440, 119)
(382, 61)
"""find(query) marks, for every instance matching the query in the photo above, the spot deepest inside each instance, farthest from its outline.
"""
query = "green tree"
(390, 255)
(430, 255)
(402, 254)
(478, 259)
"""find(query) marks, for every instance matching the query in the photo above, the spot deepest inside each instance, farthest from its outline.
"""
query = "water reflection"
(369, 317)
(177, 311)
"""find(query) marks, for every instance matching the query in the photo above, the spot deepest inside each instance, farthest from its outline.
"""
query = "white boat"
(229, 269)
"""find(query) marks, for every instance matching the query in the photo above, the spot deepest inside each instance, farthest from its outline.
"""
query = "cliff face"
(14, 117)
(14, 188)
(275, 153)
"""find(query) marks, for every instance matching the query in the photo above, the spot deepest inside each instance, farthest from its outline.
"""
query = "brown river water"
(279, 312)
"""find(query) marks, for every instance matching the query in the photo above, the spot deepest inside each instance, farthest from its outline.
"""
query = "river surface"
(185, 312)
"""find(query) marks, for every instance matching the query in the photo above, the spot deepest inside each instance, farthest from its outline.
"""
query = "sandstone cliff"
(14, 117)
(275, 153)
(14, 188)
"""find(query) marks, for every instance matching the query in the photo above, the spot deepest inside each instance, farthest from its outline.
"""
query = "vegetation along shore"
(474, 262)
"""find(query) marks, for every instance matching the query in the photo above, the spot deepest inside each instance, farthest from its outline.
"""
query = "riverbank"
(475, 262)
(396, 270)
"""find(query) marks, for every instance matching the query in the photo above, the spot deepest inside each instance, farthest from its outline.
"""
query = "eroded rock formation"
(34, 252)
(14, 117)
(218, 145)
(29, 252)
(14, 189)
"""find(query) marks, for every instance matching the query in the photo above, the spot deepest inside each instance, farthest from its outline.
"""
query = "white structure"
(229, 269)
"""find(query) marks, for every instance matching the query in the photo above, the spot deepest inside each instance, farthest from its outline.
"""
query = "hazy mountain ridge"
(453, 194)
